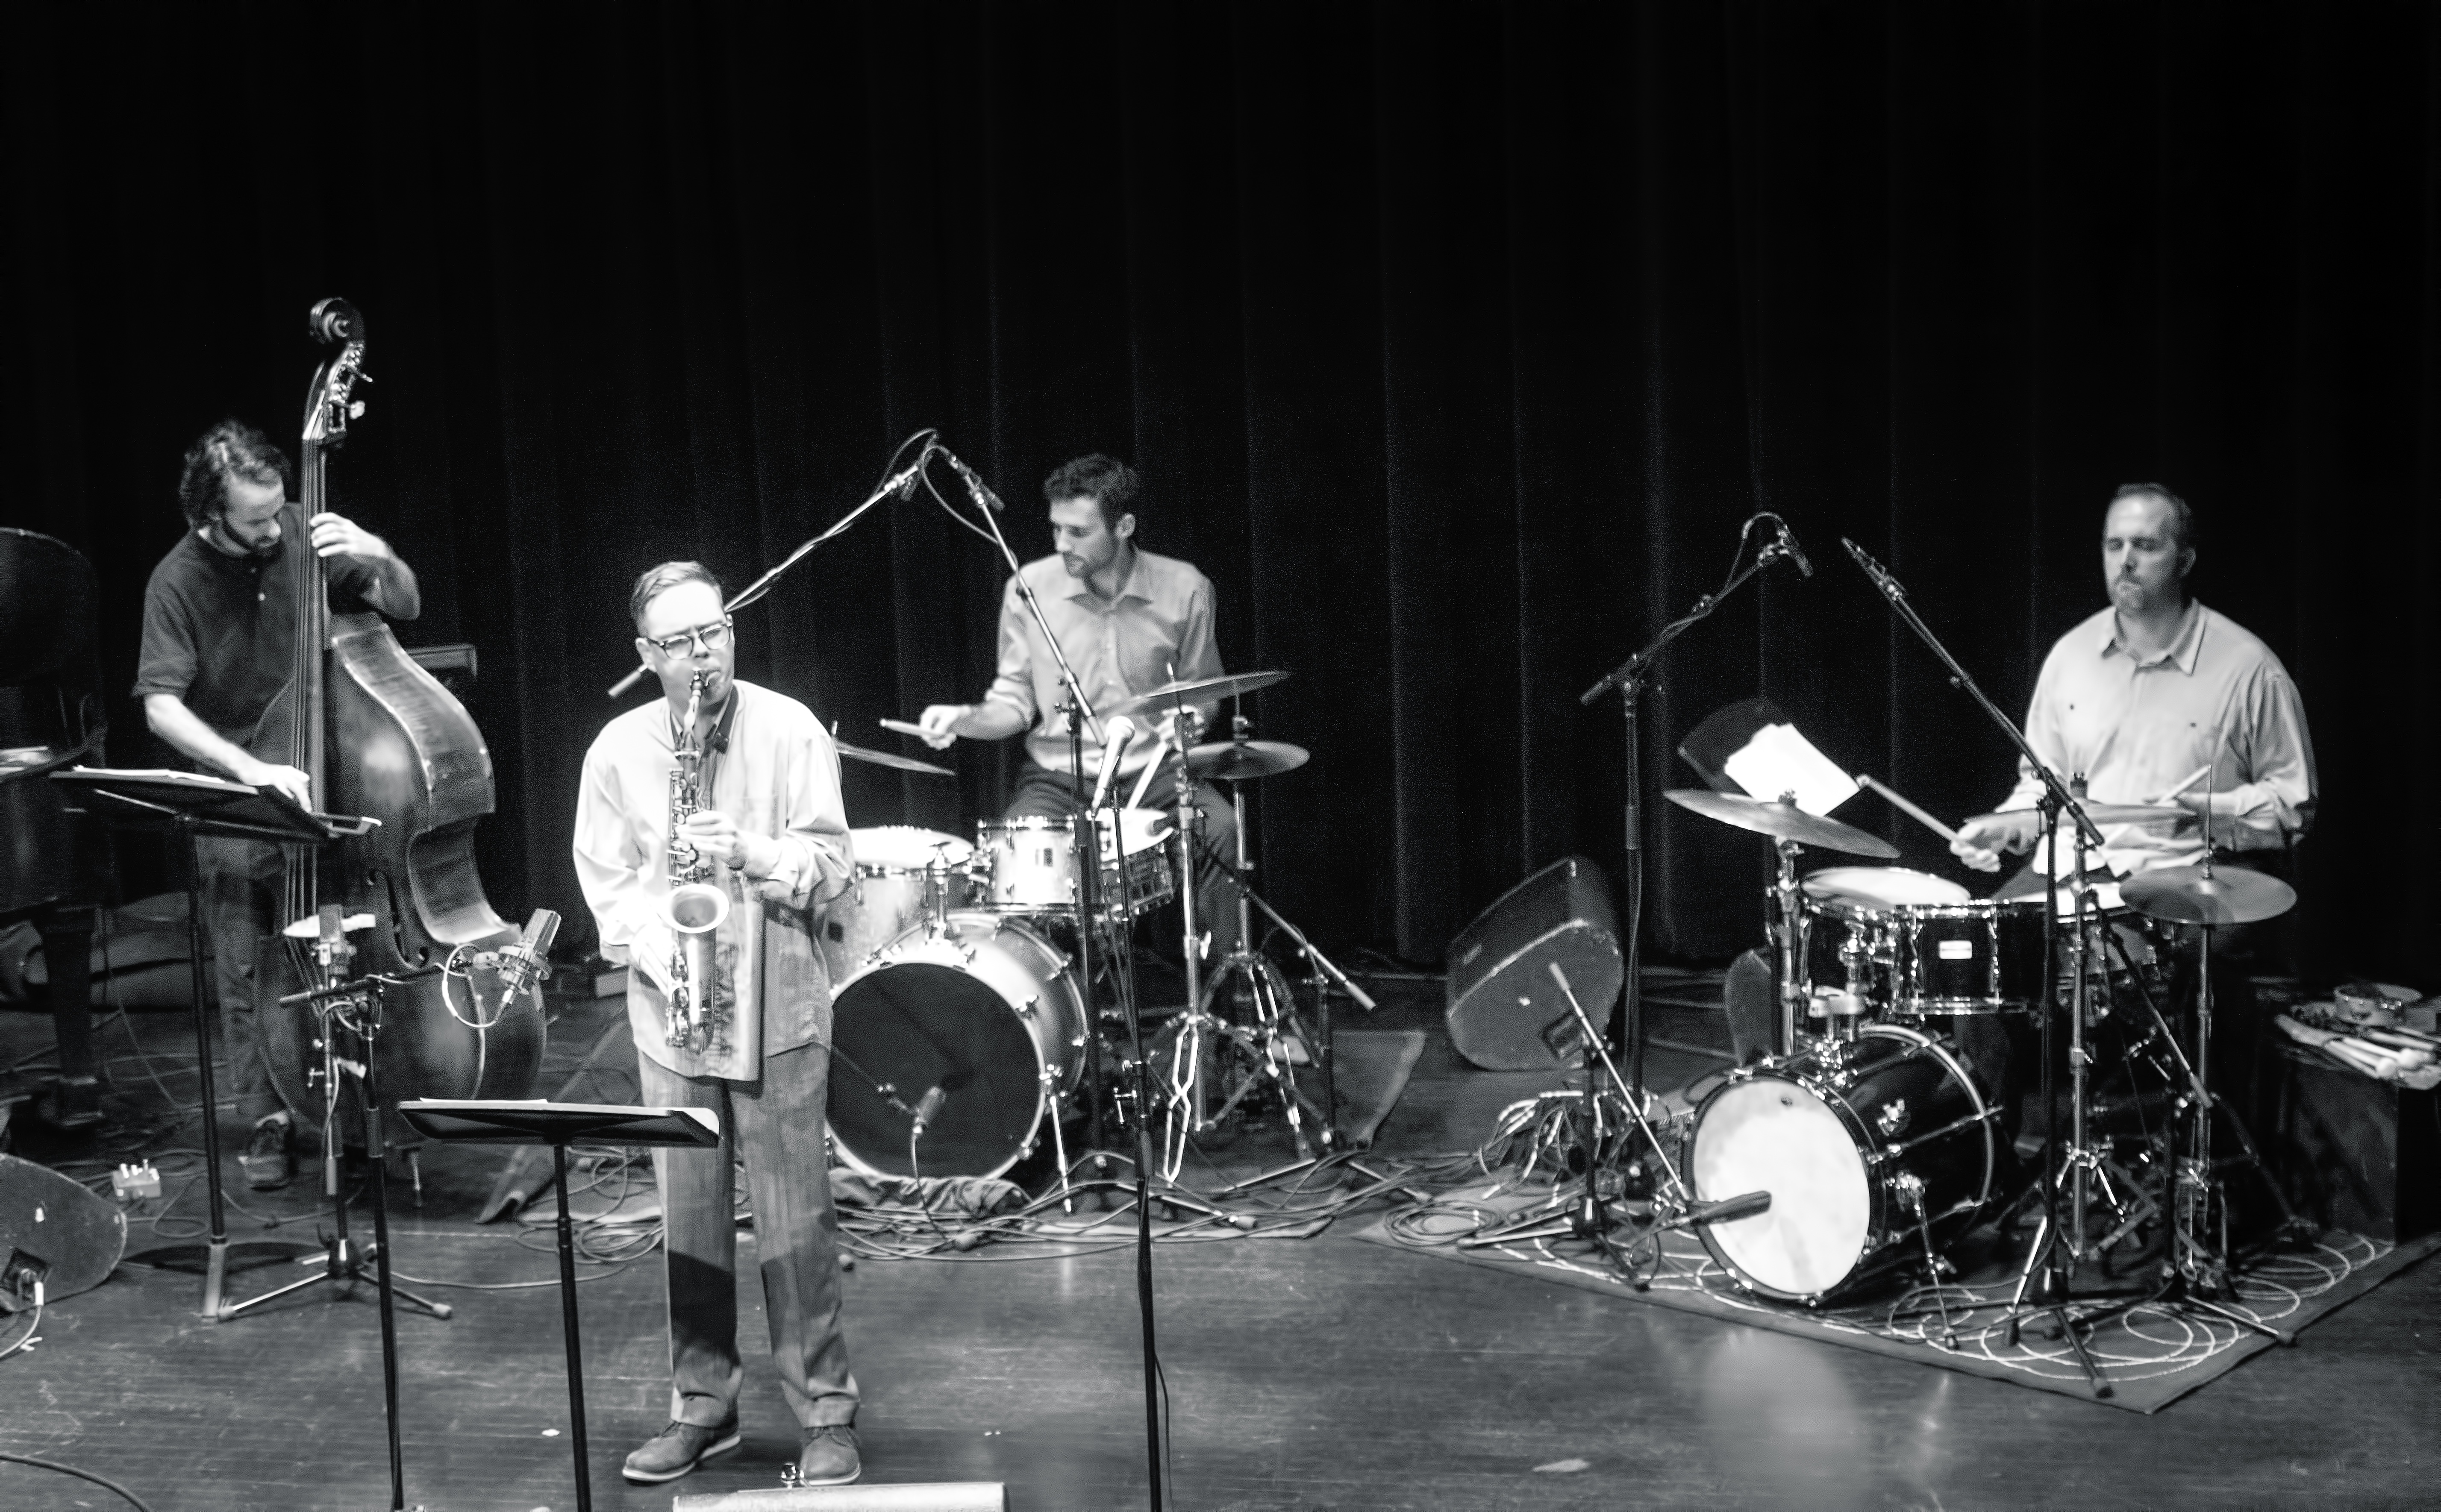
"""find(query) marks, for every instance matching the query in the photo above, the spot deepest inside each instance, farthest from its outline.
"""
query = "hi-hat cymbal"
(883, 758)
(2195, 894)
(1784, 822)
(1235, 760)
(1198, 691)
(2108, 814)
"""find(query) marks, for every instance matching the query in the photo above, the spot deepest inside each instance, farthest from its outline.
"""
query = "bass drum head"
(978, 1016)
(1769, 1133)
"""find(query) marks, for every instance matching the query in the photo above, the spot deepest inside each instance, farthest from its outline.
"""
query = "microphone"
(927, 1108)
(1116, 732)
(975, 486)
(1788, 543)
(528, 962)
(1726, 1210)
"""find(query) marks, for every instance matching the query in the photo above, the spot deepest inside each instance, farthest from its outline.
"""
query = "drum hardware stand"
(1629, 678)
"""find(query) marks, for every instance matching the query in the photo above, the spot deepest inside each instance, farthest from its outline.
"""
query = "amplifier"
(1505, 1010)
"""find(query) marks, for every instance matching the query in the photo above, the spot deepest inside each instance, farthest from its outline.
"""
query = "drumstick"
(2200, 773)
(1909, 809)
(902, 726)
(1135, 799)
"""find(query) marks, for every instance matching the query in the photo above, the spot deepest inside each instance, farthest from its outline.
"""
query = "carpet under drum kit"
(1861, 1145)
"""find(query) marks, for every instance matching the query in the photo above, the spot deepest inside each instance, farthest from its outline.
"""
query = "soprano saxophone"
(696, 906)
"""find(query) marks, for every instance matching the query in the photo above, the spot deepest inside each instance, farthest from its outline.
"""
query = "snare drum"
(1848, 935)
(902, 873)
(1860, 1145)
(987, 1012)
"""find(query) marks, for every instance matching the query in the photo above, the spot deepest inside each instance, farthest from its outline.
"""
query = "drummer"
(2140, 697)
(1128, 620)
(2143, 696)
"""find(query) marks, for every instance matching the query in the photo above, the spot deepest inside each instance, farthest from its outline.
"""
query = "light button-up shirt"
(2139, 729)
(1159, 629)
(777, 776)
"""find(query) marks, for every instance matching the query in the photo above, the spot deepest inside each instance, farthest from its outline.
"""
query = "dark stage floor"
(1319, 1373)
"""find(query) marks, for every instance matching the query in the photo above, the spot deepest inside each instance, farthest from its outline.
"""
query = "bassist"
(219, 645)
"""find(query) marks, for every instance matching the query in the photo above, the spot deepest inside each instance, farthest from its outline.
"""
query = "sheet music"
(1779, 759)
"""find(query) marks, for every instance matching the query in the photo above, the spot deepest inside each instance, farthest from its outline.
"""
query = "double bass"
(379, 736)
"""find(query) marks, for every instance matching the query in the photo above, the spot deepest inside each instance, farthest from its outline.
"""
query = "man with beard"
(772, 824)
(2140, 698)
(1128, 621)
(219, 638)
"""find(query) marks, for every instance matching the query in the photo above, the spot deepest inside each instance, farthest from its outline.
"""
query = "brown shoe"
(677, 1450)
(829, 1457)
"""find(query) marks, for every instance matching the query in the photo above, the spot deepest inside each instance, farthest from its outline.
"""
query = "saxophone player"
(760, 822)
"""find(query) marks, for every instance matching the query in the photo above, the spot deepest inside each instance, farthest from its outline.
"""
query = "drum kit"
(964, 1023)
(1876, 1139)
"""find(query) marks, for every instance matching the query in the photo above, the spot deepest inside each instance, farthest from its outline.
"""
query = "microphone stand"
(1089, 878)
(1628, 678)
(2053, 1250)
(900, 482)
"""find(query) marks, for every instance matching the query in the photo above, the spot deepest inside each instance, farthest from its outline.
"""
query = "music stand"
(483, 1121)
(191, 807)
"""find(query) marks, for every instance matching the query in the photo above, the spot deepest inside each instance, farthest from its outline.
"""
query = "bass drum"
(1860, 1145)
(989, 1013)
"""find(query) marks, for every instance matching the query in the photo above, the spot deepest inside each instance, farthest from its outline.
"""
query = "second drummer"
(1128, 620)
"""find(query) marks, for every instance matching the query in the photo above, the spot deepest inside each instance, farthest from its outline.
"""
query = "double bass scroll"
(380, 736)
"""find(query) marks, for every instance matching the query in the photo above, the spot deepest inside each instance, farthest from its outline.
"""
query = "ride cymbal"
(1235, 760)
(2202, 895)
(1784, 821)
(1201, 690)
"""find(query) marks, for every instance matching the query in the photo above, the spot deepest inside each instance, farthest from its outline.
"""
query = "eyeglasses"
(703, 637)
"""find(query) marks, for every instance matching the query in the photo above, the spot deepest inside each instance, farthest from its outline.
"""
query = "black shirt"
(220, 631)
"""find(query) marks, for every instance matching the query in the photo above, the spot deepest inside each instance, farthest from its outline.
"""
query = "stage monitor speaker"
(1505, 1010)
(949, 1496)
(54, 1231)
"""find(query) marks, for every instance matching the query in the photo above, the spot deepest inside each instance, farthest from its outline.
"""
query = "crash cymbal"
(1234, 760)
(883, 758)
(2108, 814)
(1784, 822)
(2195, 894)
(1197, 690)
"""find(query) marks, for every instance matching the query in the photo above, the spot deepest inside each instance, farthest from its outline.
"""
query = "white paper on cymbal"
(1777, 760)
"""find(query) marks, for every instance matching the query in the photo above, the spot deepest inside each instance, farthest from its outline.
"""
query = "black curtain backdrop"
(1454, 342)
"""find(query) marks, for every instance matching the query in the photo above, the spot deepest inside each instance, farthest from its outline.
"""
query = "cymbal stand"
(1276, 1018)
(2200, 1096)
(2050, 1251)
(2084, 1168)
(1788, 908)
